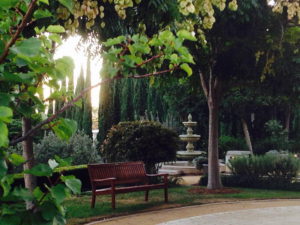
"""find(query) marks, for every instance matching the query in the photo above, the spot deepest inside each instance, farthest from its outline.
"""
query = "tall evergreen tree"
(50, 107)
(127, 111)
(70, 111)
(117, 102)
(106, 112)
(79, 106)
(87, 102)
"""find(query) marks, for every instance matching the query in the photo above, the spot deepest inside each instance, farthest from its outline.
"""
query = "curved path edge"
(165, 215)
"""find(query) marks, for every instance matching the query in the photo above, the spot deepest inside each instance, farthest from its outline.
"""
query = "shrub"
(200, 160)
(140, 141)
(227, 143)
(272, 166)
(80, 148)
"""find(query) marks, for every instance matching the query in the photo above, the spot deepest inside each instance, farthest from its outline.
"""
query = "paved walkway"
(264, 212)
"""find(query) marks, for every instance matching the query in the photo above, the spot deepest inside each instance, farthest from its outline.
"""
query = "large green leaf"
(186, 35)
(58, 192)
(40, 170)
(23, 193)
(49, 210)
(42, 13)
(187, 69)
(28, 47)
(74, 185)
(65, 128)
(69, 4)
(5, 114)
(56, 29)
(8, 3)
(16, 159)
(114, 41)
(3, 135)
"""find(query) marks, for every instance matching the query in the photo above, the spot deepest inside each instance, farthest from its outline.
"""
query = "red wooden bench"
(106, 180)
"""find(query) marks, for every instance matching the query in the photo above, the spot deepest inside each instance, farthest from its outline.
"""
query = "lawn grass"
(79, 211)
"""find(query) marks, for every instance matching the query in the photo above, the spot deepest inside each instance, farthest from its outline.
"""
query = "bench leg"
(113, 201)
(146, 195)
(93, 200)
(166, 194)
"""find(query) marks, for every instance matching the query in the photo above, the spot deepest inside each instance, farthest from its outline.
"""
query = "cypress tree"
(79, 105)
(87, 102)
(50, 107)
(60, 102)
(127, 110)
(105, 113)
(70, 111)
(117, 102)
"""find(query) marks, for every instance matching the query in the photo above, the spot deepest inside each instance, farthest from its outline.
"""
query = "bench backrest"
(127, 172)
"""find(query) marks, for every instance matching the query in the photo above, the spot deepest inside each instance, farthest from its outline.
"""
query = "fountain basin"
(189, 123)
(188, 155)
(189, 137)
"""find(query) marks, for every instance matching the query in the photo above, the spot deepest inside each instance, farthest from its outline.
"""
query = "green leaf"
(68, 4)
(63, 162)
(58, 192)
(49, 210)
(74, 185)
(3, 136)
(3, 167)
(23, 193)
(39, 14)
(56, 38)
(5, 114)
(28, 47)
(114, 41)
(56, 29)
(186, 35)
(187, 69)
(37, 193)
(52, 163)
(65, 128)
(166, 36)
(8, 3)
(16, 159)
(40, 170)
(44, 1)
(5, 99)
(25, 110)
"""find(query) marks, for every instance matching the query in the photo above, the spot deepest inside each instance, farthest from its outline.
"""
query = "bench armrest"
(157, 174)
(165, 175)
(111, 179)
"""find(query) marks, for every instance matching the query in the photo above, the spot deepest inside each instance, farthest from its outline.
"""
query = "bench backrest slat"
(127, 172)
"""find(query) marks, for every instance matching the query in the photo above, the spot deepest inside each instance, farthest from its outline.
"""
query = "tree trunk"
(29, 180)
(214, 179)
(247, 135)
(287, 121)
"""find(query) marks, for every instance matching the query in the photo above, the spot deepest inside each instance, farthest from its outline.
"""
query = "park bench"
(116, 178)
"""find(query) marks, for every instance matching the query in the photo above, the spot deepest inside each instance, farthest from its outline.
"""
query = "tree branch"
(149, 60)
(20, 28)
(82, 93)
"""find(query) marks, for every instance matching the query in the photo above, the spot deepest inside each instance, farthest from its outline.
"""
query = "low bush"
(80, 148)
(140, 141)
(200, 160)
(274, 166)
(227, 143)
(266, 171)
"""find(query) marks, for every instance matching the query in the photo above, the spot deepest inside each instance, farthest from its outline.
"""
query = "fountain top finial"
(190, 117)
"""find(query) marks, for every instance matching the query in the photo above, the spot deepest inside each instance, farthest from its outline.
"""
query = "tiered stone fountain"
(185, 165)
(190, 138)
